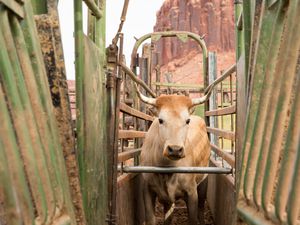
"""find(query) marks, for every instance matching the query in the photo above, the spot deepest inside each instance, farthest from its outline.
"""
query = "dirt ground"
(180, 216)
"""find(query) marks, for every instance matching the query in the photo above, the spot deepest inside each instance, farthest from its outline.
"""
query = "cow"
(175, 138)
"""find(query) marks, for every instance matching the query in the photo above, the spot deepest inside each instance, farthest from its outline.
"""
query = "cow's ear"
(192, 110)
(153, 111)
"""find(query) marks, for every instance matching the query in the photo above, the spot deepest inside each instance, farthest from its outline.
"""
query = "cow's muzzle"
(175, 152)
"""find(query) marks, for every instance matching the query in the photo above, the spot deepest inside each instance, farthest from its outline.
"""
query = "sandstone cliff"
(212, 18)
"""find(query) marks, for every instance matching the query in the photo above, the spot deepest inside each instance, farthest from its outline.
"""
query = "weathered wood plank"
(123, 156)
(133, 112)
(221, 197)
(226, 156)
(222, 133)
(221, 112)
(131, 134)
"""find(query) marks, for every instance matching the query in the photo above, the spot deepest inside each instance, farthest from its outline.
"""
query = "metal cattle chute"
(222, 161)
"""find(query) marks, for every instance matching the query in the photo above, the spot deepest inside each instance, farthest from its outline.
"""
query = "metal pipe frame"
(155, 169)
(94, 8)
(182, 35)
(133, 76)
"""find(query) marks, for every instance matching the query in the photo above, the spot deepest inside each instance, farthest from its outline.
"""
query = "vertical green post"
(247, 31)
(79, 68)
(39, 6)
(239, 35)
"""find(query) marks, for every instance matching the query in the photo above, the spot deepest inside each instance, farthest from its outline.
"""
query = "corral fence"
(222, 162)
(253, 125)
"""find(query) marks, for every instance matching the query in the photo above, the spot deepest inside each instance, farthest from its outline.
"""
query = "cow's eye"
(188, 121)
(161, 121)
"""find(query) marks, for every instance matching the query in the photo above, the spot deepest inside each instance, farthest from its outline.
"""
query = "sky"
(140, 20)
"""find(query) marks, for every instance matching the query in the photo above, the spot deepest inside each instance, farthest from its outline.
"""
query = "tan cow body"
(175, 138)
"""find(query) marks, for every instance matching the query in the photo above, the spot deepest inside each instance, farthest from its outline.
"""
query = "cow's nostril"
(180, 150)
(170, 150)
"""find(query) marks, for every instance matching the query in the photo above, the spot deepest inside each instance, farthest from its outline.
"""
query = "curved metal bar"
(136, 79)
(182, 35)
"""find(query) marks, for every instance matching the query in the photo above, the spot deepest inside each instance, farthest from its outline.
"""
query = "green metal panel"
(29, 132)
(269, 180)
(91, 103)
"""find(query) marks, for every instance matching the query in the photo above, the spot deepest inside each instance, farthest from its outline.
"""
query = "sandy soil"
(180, 215)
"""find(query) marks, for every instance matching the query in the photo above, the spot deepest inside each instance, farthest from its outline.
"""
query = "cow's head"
(173, 112)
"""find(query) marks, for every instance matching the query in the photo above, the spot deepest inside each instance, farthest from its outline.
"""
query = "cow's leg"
(149, 201)
(202, 190)
(192, 206)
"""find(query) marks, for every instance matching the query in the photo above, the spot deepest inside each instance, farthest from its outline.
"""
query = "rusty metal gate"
(269, 96)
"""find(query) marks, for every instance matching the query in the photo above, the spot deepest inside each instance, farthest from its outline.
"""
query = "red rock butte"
(212, 18)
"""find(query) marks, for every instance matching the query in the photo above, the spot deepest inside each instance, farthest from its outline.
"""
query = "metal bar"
(40, 77)
(122, 20)
(123, 156)
(133, 112)
(50, 149)
(224, 155)
(158, 35)
(200, 87)
(281, 99)
(270, 171)
(14, 6)
(79, 75)
(288, 171)
(231, 116)
(245, 38)
(252, 215)
(24, 139)
(222, 117)
(10, 149)
(223, 76)
(94, 8)
(182, 90)
(213, 104)
(222, 111)
(111, 141)
(155, 169)
(294, 206)
(131, 134)
(45, 171)
(222, 133)
(259, 127)
(133, 76)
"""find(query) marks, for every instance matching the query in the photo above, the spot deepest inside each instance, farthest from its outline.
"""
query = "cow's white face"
(173, 128)
(173, 113)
